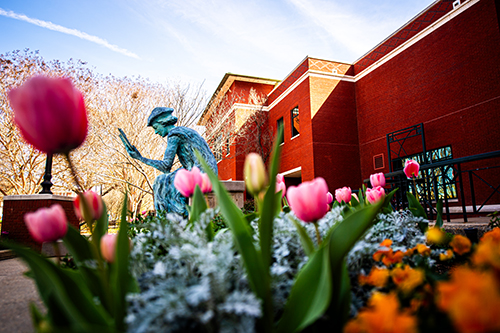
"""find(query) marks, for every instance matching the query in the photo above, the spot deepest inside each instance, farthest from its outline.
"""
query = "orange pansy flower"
(460, 244)
(382, 315)
(471, 299)
(407, 278)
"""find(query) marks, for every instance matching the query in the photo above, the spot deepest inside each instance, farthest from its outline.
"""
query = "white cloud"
(73, 32)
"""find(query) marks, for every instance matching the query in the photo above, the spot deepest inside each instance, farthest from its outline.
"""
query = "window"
(437, 180)
(295, 121)
(228, 147)
(279, 124)
(218, 148)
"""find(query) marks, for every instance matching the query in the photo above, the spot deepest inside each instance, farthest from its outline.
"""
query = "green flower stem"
(318, 236)
(415, 187)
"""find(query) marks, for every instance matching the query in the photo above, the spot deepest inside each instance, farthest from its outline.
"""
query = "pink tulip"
(94, 203)
(185, 181)
(308, 200)
(108, 247)
(343, 194)
(206, 185)
(47, 224)
(411, 168)
(377, 179)
(50, 114)
(255, 173)
(329, 198)
(375, 194)
(280, 184)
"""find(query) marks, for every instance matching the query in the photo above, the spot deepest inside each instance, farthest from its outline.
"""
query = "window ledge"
(293, 137)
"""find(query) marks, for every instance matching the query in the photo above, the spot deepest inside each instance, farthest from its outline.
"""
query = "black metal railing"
(445, 180)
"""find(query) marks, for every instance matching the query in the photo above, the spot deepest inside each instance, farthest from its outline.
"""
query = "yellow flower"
(407, 278)
(423, 249)
(446, 256)
(460, 244)
(382, 315)
(436, 235)
(471, 299)
(378, 277)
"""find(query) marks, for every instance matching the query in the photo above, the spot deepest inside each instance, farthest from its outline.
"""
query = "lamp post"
(47, 184)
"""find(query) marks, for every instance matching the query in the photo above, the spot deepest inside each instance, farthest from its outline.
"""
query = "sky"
(198, 41)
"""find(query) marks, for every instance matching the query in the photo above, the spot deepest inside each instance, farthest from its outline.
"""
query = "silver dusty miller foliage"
(190, 284)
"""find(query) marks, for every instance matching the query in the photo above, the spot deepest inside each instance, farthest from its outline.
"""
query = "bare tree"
(102, 161)
(241, 121)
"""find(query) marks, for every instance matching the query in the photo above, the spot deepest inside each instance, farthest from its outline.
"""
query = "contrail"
(74, 32)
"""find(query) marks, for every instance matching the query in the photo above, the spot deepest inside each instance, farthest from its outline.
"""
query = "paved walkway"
(16, 293)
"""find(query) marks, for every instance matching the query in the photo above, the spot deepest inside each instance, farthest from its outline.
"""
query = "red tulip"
(47, 224)
(411, 168)
(377, 179)
(185, 181)
(280, 184)
(50, 114)
(94, 203)
(343, 194)
(375, 194)
(308, 200)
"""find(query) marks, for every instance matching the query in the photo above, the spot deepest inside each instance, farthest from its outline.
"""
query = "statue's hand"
(133, 152)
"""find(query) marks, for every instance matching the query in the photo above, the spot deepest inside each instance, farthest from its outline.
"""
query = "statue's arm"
(165, 165)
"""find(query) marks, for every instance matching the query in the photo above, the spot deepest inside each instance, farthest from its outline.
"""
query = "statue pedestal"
(15, 206)
(236, 189)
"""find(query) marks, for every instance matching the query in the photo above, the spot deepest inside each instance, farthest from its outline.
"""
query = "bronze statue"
(181, 141)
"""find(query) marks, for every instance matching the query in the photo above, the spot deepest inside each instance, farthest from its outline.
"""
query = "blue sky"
(200, 40)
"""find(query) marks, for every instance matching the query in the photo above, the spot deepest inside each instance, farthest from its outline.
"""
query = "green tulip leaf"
(417, 210)
(102, 224)
(120, 279)
(310, 294)
(85, 257)
(386, 206)
(439, 217)
(238, 225)
(198, 206)
(305, 239)
(65, 294)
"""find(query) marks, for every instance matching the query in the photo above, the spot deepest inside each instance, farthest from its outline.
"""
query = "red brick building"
(440, 72)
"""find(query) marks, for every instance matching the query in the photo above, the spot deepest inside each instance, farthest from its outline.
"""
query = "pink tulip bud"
(343, 194)
(329, 198)
(94, 203)
(377, 179)
(47, 224)
(280, 184)
(375, 194)
(206, 185)
(411, 168)
(255, 173)
(108, 246)
(185, 181)
(308, 200)
(50, 114)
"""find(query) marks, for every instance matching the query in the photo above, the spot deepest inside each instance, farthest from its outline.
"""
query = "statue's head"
(162, 116)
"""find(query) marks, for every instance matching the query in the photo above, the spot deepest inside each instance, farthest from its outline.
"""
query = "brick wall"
(449, 81)
(13, 226)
